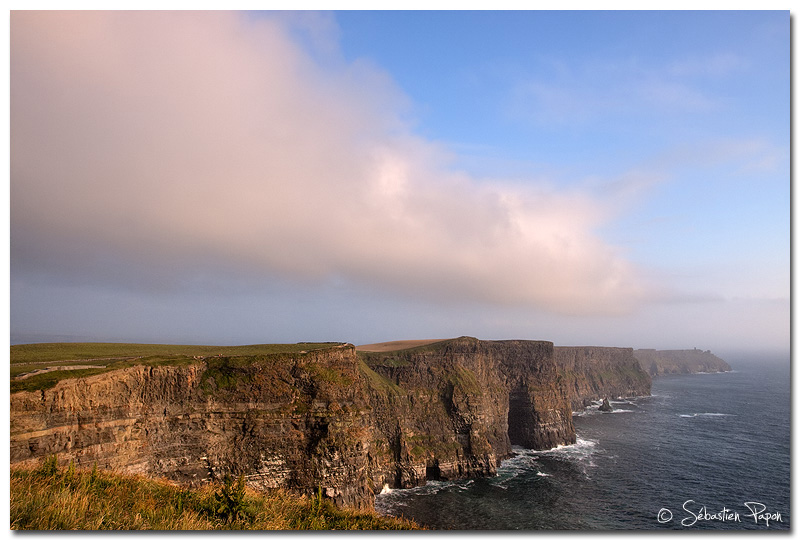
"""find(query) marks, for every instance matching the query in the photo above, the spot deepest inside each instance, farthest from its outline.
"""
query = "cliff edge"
(332, 418)
(594, 373)
(453, 408)
(658, 363)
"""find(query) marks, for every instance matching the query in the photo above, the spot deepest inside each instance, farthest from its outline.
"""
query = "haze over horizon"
(586, 178)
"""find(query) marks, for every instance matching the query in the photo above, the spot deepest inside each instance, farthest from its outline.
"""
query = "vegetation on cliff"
(48, 498)
(40, 366)
(656, 362)
(306, 416)
(594, 373)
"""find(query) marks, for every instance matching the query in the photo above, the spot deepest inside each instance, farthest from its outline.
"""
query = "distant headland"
(657, 363)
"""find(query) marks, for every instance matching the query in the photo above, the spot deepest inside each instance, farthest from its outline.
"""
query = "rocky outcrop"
(658, 363)
(296, 421)
(454, 408)
(594, 373)
(346, 422)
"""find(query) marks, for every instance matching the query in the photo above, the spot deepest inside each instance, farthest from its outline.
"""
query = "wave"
(630, 400)
(581, 454)
(694, 415)
(593, 410)
(391, 497)
(581, 450)
(526, 461)
(388, 501)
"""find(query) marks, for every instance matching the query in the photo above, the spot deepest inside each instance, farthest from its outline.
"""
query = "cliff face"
(293, 420)
(453, 409)
(346, 422)
(594, 373)
(679, 361)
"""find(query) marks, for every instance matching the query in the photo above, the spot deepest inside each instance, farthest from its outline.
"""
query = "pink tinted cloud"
(183, 139)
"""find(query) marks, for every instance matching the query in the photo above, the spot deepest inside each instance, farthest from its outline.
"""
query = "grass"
(378, 382)
(330, 376)
(401, 357)
(49, 498)
(65, 352)
(465, 379)
(111, 356)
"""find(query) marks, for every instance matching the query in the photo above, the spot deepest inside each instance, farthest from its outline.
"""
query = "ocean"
(705, 451)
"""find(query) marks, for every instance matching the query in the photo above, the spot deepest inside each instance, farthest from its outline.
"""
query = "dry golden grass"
(397, 345)
(47, 498)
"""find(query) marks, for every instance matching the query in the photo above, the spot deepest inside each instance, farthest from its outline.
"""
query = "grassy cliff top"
(41, 365)
(391, 346)
(65, 352)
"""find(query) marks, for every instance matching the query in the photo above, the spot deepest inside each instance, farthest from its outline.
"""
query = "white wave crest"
(694, 415)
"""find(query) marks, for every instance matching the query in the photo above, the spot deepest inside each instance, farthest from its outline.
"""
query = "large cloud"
(185, 144)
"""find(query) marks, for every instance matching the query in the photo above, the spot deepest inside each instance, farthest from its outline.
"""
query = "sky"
(587, 178)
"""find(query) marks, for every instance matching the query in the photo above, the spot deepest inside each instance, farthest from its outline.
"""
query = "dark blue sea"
(705, 451)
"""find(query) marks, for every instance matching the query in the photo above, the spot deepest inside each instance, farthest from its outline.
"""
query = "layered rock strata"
(453, 409)
(658, 363)
(346, 422)
(594, 373)
(296, 421)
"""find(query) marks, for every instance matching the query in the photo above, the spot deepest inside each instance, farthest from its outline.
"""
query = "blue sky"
(606, 178)
(697, 99)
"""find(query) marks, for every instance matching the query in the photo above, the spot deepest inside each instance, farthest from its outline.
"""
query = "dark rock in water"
(591, 373)
(329, 421)
(605, 406)
(333, 421)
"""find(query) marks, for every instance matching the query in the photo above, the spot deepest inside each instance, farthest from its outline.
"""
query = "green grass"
(378, 382)
(49, 498)
(330, 376)
(111, 356)
(400, 357)
(65, 352)
(465, 379)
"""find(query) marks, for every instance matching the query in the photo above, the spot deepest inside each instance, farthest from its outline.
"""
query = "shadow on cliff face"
(452, 409)
(519, 415)
(328, 420)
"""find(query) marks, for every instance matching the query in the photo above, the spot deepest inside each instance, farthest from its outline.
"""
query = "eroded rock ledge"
(346, 421)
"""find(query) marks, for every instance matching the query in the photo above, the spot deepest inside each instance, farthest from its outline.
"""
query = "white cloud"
(752, 155)
(713, 65)
(181, 144)
(575, 95)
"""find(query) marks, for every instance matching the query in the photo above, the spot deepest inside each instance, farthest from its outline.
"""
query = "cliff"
(295, 421)
(345, 421)
(658, 363)
(593, 373)
(453, 409)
